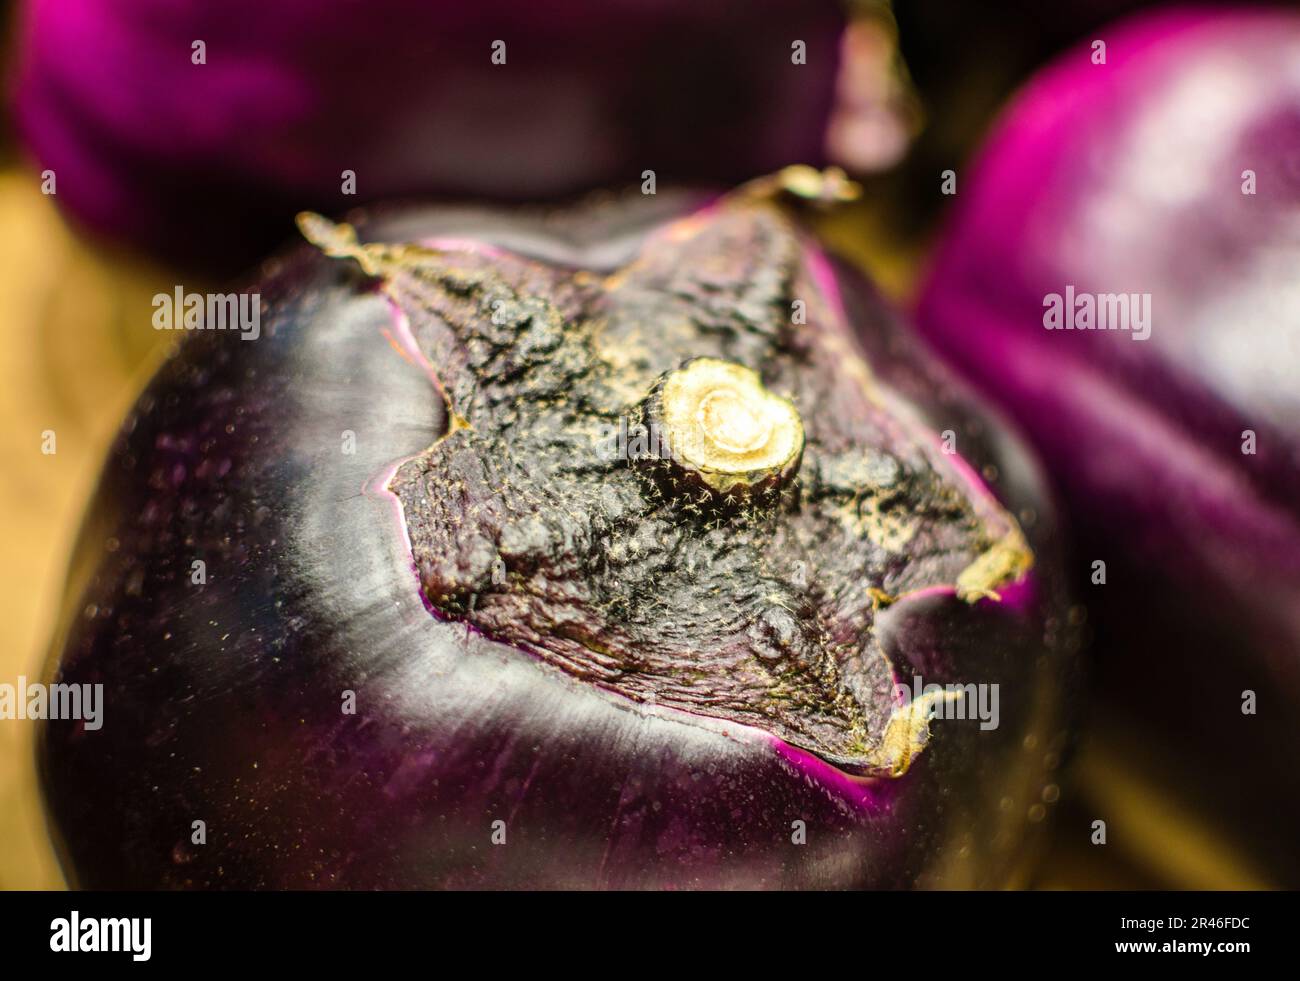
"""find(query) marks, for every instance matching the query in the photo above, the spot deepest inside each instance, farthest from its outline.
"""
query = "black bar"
(1049, 931)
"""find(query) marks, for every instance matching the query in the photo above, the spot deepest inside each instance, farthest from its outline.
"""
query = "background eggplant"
(1170, 172)
(965, 60)
(207, 162)
(565, 667)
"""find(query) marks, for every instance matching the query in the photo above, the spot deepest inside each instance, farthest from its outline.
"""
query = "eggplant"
(197, 133)
(1167, 178)
(966, 59)
(563, 548)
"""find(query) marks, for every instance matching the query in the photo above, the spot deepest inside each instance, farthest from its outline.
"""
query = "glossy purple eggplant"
(208, 152)
(1164, 184)
(433, 654)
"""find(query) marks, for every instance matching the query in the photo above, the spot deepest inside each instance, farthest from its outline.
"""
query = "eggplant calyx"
(906, 733)
(537, 519)
(1005, 561)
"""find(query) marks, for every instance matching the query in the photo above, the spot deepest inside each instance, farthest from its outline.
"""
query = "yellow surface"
(74, 329)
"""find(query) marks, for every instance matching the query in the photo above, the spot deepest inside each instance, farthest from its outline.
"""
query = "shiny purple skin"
(1128, 177)
(223, 701)
(212, 161)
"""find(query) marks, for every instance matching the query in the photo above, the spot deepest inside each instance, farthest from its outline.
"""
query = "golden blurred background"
(72, 349)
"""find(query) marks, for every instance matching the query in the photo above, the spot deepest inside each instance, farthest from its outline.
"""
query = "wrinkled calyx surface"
(733, 565)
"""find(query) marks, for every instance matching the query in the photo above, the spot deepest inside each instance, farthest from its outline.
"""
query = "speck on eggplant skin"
(652, 695)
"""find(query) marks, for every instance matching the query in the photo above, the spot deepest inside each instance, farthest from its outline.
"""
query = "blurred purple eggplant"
(1142, 199)
(503, 99)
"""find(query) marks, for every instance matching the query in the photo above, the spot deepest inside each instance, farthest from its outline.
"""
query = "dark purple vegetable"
(1167, 179)
(212, 159)
(579, 657)
(965, 60)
